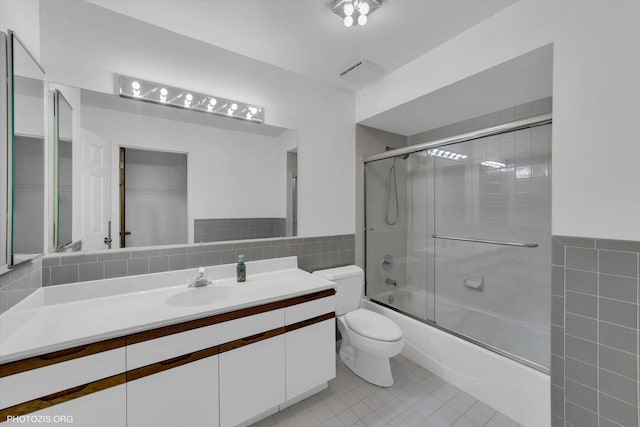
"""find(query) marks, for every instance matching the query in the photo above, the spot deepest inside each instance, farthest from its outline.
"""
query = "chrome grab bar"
(491, 242)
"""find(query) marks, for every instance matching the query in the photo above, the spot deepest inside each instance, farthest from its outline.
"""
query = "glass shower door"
(492, 241)
(399, 217)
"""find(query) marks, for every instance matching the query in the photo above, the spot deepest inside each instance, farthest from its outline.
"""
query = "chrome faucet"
(391, 282)
(201, 280)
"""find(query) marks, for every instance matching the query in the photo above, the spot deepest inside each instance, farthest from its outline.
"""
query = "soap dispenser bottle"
(241, 269)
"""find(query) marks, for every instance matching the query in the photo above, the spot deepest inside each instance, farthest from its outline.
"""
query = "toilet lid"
(373, 325)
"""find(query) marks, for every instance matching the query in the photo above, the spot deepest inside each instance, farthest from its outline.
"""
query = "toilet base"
(369, 359)
(373, 369)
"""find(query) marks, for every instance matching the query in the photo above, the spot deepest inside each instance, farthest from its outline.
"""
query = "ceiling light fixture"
(445, 154)
(167, 95)
(493, 164)
(348, 9)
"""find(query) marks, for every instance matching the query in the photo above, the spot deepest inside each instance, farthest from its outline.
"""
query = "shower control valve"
(387, 263)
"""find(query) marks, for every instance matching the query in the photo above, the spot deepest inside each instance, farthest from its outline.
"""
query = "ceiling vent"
(362, 71)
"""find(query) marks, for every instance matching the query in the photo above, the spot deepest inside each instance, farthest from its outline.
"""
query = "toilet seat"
(373, 325)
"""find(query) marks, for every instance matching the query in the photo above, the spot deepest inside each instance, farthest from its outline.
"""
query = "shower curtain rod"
(530, 122)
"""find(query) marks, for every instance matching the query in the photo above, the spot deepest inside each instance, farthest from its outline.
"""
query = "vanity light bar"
(157, 93)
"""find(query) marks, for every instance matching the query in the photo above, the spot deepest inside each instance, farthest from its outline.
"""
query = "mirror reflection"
(63, 182)
(149, 175)
(26, 152)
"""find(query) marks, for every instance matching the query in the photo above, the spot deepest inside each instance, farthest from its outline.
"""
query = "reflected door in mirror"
(25, 150)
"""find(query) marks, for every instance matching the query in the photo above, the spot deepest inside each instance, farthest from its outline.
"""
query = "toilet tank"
(349, 281)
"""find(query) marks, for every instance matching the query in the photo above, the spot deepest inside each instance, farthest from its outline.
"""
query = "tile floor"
(418, 398)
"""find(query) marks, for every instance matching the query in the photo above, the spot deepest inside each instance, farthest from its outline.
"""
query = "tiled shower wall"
(314, 253)
(594, 332)
(19, 282)
(224, 229)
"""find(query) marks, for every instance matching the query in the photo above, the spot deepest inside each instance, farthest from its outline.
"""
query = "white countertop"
(59, 317)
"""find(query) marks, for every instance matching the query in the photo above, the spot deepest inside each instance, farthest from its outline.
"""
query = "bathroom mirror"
(25, 153)
(62, 170)
(150, 175)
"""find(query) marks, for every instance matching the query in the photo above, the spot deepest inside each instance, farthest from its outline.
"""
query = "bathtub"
(517, 390)
(498, 331)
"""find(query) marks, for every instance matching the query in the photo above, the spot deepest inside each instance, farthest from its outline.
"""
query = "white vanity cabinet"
(252, 380)
(225, 369)
(185, 395)
(311, 358)
(309, 349)
(83, 385)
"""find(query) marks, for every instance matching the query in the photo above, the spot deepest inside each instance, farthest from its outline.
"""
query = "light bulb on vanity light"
(136, 88)
(212, 103)
(362, 20)
(187, 100)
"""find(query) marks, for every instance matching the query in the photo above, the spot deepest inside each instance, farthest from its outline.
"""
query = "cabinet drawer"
(299, 312)
(105, 408)
(170, 346)
(35, 383)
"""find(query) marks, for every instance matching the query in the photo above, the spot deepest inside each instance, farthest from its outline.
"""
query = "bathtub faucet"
(391, 282)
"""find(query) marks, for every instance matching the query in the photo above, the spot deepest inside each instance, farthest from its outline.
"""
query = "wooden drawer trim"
(225, 317)
(310, 322)
(61, 396)
(309, 297)
(95, 386)
(251, 339)
(47, 359)
(171, 363)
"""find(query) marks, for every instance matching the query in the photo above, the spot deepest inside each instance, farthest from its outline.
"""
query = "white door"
(96, 205)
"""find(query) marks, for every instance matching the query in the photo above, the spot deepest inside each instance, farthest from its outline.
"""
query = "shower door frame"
(531, 122)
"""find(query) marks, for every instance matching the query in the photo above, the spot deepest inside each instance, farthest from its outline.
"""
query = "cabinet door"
(105, 408)
(251, 380)
(311, 358)
(186, 395)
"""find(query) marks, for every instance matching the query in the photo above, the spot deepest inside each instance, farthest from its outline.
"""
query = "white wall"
(230, 174)
(596, 101)
(87, 51)
(23, 18)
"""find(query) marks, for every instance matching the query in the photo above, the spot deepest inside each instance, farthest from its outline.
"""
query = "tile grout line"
(598, 334)
(564, 336)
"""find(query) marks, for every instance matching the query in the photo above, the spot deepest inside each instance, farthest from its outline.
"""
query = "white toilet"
(368, 339)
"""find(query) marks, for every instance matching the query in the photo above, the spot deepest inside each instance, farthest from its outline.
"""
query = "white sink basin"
(204, 295)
